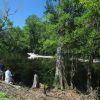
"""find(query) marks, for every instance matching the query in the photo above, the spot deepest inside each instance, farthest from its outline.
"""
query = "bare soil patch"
(24, 93)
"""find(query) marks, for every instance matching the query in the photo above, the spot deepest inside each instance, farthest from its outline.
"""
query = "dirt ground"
(24, 93)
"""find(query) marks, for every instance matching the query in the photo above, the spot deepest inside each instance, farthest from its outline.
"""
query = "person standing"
(2, 68)
(8, 76)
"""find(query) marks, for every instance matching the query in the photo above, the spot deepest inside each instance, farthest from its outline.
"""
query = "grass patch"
(4, 96)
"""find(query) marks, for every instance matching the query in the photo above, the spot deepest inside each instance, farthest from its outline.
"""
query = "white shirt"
(8, 76)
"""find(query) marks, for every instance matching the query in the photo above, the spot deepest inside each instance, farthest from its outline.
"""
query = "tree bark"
(60, 76)
(73, 70)
(72, 75)
(89, 87)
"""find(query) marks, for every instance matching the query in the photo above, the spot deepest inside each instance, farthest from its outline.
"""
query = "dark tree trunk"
(89, 87)
(73, 70)
(60, 76)
(72, 75)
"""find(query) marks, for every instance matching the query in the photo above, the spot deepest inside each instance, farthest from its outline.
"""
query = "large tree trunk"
(60, 76)
(89, 87)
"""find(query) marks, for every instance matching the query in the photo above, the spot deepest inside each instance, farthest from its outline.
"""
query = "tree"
(88, 24)
(33, 28)
(65, 27)
(60, 77)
